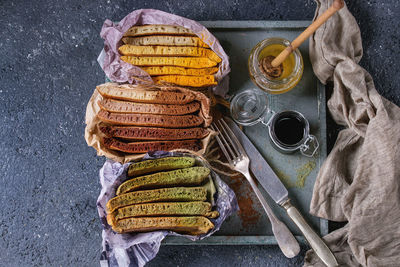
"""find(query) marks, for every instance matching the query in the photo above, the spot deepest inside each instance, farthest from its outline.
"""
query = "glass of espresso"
(289, 130)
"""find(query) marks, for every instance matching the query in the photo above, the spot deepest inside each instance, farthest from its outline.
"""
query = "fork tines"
(230, 145)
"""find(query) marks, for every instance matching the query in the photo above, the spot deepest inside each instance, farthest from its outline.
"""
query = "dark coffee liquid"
(289, 129)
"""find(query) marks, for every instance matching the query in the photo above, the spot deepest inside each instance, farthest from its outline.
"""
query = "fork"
(239, 161)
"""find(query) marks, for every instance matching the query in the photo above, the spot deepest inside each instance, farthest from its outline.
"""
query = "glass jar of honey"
(292, 67)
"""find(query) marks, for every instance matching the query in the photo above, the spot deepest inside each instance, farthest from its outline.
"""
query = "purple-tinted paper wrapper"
(136, 249)
(122, 72)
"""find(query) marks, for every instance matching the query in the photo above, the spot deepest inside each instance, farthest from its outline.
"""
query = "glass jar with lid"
(288, 130)
(292, 66)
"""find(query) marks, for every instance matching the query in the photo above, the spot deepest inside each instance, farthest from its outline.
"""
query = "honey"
(274, 50)
(291, 68)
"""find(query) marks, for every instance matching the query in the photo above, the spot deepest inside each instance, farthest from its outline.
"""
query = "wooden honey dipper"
(272, 67)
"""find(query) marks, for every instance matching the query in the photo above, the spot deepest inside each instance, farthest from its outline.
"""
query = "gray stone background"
(48, 70)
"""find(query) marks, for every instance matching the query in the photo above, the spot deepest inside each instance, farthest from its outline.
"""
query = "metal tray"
(250, 225)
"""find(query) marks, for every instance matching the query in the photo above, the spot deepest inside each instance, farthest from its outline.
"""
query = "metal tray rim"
(262, 239)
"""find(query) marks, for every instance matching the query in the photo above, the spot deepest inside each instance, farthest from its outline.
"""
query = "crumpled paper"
(135, 249)
(122, 72)
(94, 136)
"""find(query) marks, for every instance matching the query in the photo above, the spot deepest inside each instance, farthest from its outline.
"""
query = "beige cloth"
(360, 180)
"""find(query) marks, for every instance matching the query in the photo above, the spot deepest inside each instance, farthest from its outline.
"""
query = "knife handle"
(316, 243)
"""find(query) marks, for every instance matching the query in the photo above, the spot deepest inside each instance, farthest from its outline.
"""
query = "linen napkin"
(360, 179)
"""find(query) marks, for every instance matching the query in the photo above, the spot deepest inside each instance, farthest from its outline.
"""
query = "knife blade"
(259, 166)
(278, 192)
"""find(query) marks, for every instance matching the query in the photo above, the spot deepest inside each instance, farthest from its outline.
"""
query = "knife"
(278, 192)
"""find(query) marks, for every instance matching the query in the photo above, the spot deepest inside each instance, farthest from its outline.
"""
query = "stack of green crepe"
(174, 198)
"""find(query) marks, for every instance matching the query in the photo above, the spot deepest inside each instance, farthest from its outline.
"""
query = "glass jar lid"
(249, 107)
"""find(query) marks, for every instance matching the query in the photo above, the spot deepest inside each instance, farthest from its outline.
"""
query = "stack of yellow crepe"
(171, 54)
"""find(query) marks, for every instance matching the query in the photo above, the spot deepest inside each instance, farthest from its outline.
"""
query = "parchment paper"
(122, 72)
(135, 249)
(94, 136)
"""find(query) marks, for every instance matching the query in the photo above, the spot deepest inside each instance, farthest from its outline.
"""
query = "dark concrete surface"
(48, 70)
